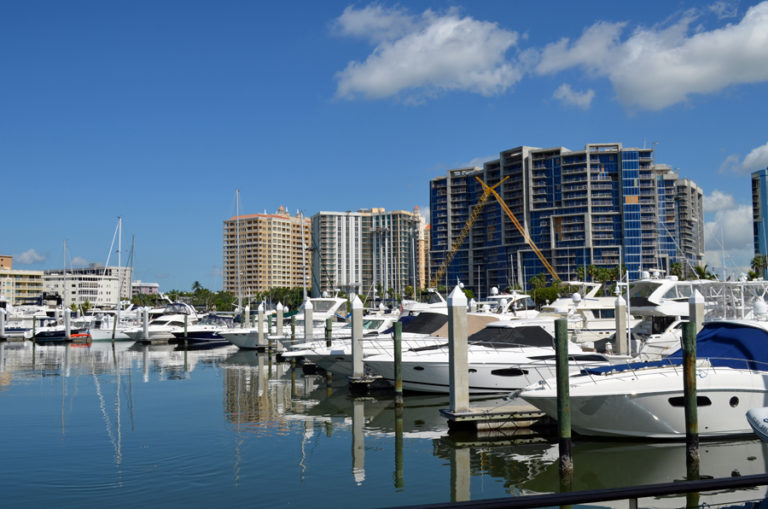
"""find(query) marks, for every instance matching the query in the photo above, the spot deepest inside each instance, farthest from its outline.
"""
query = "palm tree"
(759, 264)
(703, 272)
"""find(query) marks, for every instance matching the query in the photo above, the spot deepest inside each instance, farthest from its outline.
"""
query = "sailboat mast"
(64, 278)
(237, 228)
(119, 262)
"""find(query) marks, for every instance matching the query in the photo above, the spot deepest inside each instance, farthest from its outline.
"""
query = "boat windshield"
(372, 324)
(323, 306)
(177, 308)
(643, 289)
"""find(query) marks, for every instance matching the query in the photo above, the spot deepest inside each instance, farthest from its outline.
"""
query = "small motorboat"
(758, 419)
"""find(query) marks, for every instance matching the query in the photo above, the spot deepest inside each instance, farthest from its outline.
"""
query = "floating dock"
(511, 415)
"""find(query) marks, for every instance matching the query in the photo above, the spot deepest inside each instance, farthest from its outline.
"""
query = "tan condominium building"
(20, 286)
(267, 251)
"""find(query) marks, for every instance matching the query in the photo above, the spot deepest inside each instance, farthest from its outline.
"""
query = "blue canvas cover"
(724, 344)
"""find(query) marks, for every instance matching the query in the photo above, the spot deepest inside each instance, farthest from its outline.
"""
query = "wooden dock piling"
(398, 339)
(563, 404)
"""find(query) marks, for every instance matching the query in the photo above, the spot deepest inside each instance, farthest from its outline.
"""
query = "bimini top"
(508, 337)
(732, 344)
(423, 323)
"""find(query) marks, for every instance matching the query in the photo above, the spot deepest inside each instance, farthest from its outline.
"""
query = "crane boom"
(523, 231)
(459, 240)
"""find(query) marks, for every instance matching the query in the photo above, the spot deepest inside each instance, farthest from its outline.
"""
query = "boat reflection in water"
(286, 433)
(533, 468)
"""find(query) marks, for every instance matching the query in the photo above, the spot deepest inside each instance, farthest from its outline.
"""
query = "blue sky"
(158, 111)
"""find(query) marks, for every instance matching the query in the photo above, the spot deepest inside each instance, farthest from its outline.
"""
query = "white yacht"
(337, 358)
(162, 328)
(322, 308)
(504, 356)
(593, 316)
(434, 302)
(645, 400)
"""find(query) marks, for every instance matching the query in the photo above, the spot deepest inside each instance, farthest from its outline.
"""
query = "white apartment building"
(97, 290)
(368, 250)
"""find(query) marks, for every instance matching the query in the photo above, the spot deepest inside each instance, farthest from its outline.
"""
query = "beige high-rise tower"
(271, 252)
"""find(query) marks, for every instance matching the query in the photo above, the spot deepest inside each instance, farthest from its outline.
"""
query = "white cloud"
(729, 237)
(29, 257)
(375, 23)
(78, 261)
(660, 66)
(724, 10)
(757, 159)
(730, 164)
(423, 56)
(594, 50)
(569, 96)
(718, 201)
(479, 161)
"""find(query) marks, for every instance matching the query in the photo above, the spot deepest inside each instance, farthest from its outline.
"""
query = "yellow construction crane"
(523, 232)
(464, 231)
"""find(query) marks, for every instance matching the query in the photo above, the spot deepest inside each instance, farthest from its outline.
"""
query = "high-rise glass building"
(606, 205)
(760, 213)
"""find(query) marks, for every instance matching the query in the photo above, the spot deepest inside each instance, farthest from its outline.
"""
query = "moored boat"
(645, 399)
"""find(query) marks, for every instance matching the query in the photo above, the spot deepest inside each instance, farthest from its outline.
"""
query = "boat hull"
(246, 339)
(651, 405)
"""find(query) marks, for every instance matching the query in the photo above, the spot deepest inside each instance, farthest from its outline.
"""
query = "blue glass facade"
(603, 206)
(760, 213)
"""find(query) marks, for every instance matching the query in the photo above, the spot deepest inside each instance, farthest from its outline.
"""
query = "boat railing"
(703, 366)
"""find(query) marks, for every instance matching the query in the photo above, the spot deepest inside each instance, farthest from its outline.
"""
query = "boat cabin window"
(605, 313)
(660, 323)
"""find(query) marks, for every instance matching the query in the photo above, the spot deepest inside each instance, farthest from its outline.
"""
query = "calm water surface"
(133, 426)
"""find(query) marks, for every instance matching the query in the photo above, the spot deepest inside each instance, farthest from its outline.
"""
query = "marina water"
(132, 425)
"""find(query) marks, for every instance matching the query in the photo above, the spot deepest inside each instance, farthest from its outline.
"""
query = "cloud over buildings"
(415, 57)
(418, 56)
(728, 234)
(757, 159)
(29, 257)
(659, 66)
